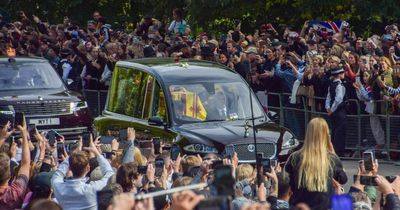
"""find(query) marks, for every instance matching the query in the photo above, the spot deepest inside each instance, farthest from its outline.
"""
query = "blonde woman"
(312, 169)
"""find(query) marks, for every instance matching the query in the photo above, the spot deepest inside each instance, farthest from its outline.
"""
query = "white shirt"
(77, 194)
(66, 67)
(176, 25)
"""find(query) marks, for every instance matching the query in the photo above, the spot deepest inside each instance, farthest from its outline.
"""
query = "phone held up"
(86, 139)
(369, 159)
(157, 145)
(175, 150)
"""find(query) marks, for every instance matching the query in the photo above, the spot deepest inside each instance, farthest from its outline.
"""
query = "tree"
(365, 16)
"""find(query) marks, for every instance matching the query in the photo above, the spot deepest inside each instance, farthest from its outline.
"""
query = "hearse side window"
(159, 106)
(148, 87)
(127, 93)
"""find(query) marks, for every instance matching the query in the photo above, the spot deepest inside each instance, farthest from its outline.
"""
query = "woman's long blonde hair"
(315, 162)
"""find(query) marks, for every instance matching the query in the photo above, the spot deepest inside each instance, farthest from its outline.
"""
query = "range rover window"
(212, 101)
(128, 92)
(28, 76)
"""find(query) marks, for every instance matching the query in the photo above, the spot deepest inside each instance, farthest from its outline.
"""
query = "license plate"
(45, 121)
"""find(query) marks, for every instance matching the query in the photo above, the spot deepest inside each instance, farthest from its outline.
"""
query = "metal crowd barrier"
(359, 135)
(95, 97)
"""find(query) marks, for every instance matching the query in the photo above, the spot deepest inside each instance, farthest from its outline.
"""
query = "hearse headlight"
(200, 148)
(289, 141)
(76, 106)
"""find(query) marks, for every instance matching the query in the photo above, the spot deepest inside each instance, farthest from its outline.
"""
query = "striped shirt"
(393, 91)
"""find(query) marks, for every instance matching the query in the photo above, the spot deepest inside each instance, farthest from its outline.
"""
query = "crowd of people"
(296, 64)
(330, 66)
(40, 174)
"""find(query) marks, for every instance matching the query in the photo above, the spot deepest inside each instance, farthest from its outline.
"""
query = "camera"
(377, 67)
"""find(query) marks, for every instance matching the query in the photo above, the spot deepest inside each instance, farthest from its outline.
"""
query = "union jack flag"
(330, 26)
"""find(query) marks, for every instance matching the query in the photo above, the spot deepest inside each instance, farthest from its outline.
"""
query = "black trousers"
(338, 135)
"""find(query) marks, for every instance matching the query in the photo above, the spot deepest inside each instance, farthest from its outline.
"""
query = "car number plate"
(45, 121)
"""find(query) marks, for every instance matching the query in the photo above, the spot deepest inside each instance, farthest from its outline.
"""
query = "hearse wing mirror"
(155, 121)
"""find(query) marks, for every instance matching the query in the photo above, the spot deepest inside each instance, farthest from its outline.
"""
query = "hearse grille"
(31, 109)
(245, 151)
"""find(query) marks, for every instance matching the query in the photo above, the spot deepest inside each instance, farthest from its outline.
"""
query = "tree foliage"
(365, 16)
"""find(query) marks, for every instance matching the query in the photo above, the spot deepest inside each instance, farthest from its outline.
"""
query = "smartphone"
(32, 130)
(159, 163)
(45, 167)
(215, 203)
(358, 81)
(60, 150)
(107, 155)
(368, 157)
(71, 146)
(106, 139)
(56, 134)
(10, 140)
(86, 139)
(259, 159)
(175, 150)
(368, 180)
(259, 166)
(274, 162)
(266, 165)
(223, 183)
(157, 145)
(341, 202)
(229, 151)
(19, 119)
(51, 136)
(142, 169)
(123, 134)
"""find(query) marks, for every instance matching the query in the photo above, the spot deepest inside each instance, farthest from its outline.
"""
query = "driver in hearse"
(218, 108)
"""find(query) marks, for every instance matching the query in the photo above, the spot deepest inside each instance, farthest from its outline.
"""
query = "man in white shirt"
(76, 192)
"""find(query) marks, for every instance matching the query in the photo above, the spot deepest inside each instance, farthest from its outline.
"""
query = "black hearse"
(201, 106)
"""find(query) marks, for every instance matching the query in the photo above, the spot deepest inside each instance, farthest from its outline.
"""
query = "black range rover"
(201, 106)
(32, 86)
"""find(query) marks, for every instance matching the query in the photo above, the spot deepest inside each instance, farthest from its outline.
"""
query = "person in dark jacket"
(314, 167)
(335, 106)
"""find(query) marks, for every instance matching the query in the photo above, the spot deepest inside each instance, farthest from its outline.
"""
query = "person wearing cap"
(64, 68)
(40, 186)
(255, 61)
(144, 25)
(104, 31)
(335, 106)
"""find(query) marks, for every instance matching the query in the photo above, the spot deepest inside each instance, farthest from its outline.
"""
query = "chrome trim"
(48, 115)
